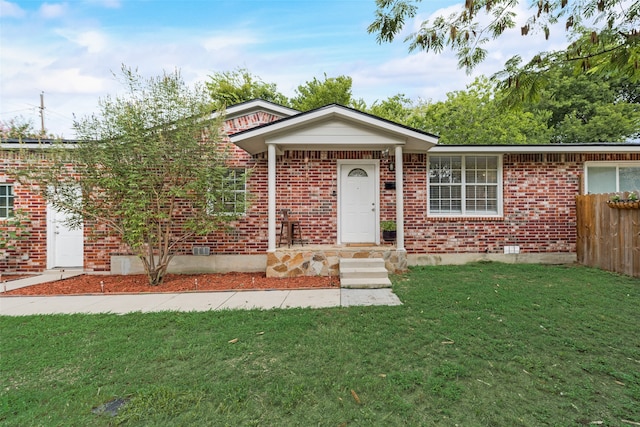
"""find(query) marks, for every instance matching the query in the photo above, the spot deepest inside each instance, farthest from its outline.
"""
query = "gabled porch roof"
(256, 105)
(333, 127)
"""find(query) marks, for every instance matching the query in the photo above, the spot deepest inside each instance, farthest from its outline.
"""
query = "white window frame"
(463, 213)
(243, 191)
(617, 165)
(9, 200)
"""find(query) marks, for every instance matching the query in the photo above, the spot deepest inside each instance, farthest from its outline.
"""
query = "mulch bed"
(138, 283)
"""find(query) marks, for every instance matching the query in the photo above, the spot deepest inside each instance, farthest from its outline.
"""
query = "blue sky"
(70, 50)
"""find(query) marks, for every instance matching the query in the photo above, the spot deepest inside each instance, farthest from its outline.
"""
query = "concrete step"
(361, 262)
(366, 283)
(360, 272)
(363, 273)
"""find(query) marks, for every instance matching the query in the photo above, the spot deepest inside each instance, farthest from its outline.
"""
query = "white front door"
(358, 209)
(65, 246)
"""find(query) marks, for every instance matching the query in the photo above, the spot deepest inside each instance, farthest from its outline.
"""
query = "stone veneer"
(319, 261)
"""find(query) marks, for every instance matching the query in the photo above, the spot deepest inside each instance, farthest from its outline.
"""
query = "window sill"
(465, 218)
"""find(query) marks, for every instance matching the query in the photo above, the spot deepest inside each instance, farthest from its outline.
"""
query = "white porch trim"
(271, 203)
(399, 200)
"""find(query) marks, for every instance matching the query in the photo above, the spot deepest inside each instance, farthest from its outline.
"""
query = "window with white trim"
(464, 185)
(234, 192)
(607, 177)
(6, 200)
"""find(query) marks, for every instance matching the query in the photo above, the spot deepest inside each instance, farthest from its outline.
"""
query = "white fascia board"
(259, 105)
(533, 149)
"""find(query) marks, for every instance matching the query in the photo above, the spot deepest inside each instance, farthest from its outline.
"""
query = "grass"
(475, 345)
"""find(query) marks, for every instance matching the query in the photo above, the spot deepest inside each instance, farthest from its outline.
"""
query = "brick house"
(342, 173)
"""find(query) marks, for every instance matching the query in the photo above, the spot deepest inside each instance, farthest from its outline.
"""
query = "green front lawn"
(475, 345)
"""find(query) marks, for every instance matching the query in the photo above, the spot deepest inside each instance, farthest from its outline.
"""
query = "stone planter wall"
(326, 261)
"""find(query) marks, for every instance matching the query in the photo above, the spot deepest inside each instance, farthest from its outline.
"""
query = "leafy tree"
(20, 128)
(605, 38)
(233, 87)
(13, 230)
(588, 108)
(149, 168)
(396, 108)
(315, 94)
(474, 116)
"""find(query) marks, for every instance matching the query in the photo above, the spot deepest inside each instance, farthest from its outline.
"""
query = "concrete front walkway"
(189, 301)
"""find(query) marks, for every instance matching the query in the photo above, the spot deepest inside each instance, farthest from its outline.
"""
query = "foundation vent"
(201, 250)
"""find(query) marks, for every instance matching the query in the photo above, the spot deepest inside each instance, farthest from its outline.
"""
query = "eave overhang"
(258, 105)
(538, 149)
(330, 128)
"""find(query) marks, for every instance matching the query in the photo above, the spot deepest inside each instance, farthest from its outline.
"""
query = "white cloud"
(11, 10)
(94, 41)
(52, 11)
(71, 81)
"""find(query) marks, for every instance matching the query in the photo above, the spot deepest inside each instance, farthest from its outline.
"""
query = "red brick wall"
(539, 206)
(538, 212)
(34, 247)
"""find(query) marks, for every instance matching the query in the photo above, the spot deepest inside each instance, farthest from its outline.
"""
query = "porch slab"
(359, 297)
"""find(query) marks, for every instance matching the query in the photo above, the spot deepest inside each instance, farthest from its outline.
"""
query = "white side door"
(65, 247)
(358, 208)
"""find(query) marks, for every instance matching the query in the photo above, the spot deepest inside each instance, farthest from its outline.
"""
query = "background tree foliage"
(318, 93)
(147, 158)
(474, 116)
(604, 35)
(21, 128)
(234, 87)
(569, 108)
(588, 108)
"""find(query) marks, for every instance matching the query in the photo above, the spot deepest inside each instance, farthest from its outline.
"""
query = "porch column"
(399, 201)
(271, 203)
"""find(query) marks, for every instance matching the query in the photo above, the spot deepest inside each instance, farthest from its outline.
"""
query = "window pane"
(6, 200)
(358, 172)
(471, 192)
(601, 179)
(470, 176)
(232, 192)
(492, 192)
(445, 169)
(492, 163)
(629, 178)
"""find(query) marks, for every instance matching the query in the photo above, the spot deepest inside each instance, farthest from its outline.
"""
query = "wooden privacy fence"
(608, 237)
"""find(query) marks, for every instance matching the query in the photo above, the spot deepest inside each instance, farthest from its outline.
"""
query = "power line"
(30, 109)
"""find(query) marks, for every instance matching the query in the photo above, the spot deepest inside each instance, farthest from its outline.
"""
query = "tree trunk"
(155, 271)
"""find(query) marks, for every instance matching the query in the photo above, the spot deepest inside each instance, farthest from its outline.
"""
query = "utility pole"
(42, 131)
